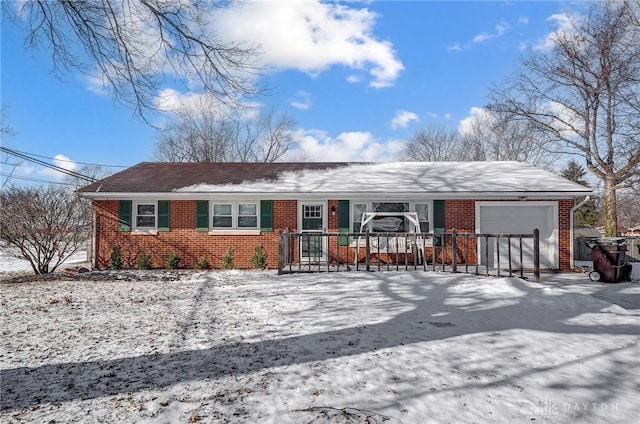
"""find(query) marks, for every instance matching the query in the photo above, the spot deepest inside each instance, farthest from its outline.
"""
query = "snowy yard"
(408, 347)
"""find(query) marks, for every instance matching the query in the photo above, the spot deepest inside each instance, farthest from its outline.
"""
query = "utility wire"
(2, 174)
(71, 161)
(47, 165)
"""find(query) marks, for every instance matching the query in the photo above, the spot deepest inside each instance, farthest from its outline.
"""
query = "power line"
(2, 174)
(70, 161)
(47, 165)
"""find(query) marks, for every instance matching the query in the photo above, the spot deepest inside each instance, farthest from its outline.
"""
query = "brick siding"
(192, 245)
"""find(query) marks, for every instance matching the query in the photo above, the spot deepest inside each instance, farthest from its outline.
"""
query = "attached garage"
(519, 218)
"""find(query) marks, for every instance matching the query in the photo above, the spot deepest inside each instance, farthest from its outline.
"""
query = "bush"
(201, 264)
(259, 258)
(144, 261)
(116, 258)
(173, 261)
(227, 259)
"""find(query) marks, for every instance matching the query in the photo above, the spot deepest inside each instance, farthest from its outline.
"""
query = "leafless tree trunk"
(206, 135)
(131, 47)
(584, 96)
(44, 225)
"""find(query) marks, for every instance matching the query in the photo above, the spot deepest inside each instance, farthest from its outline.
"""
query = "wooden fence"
(480, 254)
(582, 251)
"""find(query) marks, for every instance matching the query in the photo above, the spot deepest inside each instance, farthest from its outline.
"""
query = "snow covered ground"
(10, 264)
(249, 347)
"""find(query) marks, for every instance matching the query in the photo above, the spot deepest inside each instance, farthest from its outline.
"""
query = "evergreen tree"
(587, 214)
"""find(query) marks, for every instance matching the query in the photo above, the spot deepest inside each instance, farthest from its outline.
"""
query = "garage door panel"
(517, 219)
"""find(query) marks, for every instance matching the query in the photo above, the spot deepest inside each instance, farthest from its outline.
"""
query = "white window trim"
(234, 229)
(412, 208)
(135, 230)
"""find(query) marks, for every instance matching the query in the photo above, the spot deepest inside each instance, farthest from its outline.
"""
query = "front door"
(312, 225)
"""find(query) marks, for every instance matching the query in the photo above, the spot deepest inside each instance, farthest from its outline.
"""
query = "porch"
(471, 253)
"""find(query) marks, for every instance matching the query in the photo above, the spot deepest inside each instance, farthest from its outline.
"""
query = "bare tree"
(433, 144)
(44, 225)
(488, 137)
(131, 47)
(5, 128)
(6, 131)
(497, 136)
(584, 95)
(206, 135)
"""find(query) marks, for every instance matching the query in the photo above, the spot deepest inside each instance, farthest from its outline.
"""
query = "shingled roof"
(163, 177)
(336, 180)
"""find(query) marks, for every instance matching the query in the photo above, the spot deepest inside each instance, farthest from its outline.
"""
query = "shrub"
(116, 258)
(202, 263)
(227, 259)
(259, 258)
(144, 261)
(173, 261)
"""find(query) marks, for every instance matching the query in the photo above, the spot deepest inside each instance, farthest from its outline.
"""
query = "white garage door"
(518, 218)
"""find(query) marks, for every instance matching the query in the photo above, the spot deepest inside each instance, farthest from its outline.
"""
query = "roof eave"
(522, 195)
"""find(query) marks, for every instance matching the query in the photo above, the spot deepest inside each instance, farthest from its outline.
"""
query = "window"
(390, 207)
(247, 215)
(145, 215)
(358, 210)
(390, 224)
(233, 216)
(312, 217)
(422, 209)
(222, 215)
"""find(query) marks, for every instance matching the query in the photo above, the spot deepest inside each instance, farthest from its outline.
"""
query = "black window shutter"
(266, 215)
(164, 208)
(438, 216)
(202, 215)
(124, 215)
(344, 220)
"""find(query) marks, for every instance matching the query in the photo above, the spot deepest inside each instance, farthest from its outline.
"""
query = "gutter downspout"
(571, 242)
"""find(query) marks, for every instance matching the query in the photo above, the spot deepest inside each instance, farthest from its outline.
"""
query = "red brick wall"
(191, 244)
(564, 230)
(185, 240)
(460, 215)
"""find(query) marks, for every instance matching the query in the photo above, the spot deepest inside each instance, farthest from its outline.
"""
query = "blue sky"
(377, 72)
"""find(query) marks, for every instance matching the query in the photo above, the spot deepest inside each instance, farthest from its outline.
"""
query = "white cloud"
(355, 146)
(564, 23)
(501, 28)
(432, 115)
(302, 100)
(465, 126)
(172, 101)
(311, 36)
(523, 20)
(60, 161)
(97, 84)
(403, 118)
(455, 47)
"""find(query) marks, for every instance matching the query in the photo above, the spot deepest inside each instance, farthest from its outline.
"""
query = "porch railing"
(480, 254)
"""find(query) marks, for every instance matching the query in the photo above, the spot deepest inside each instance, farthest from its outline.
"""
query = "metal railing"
(480, 254)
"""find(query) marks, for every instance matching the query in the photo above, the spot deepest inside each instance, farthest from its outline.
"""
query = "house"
(632, 231)
(201, 209)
